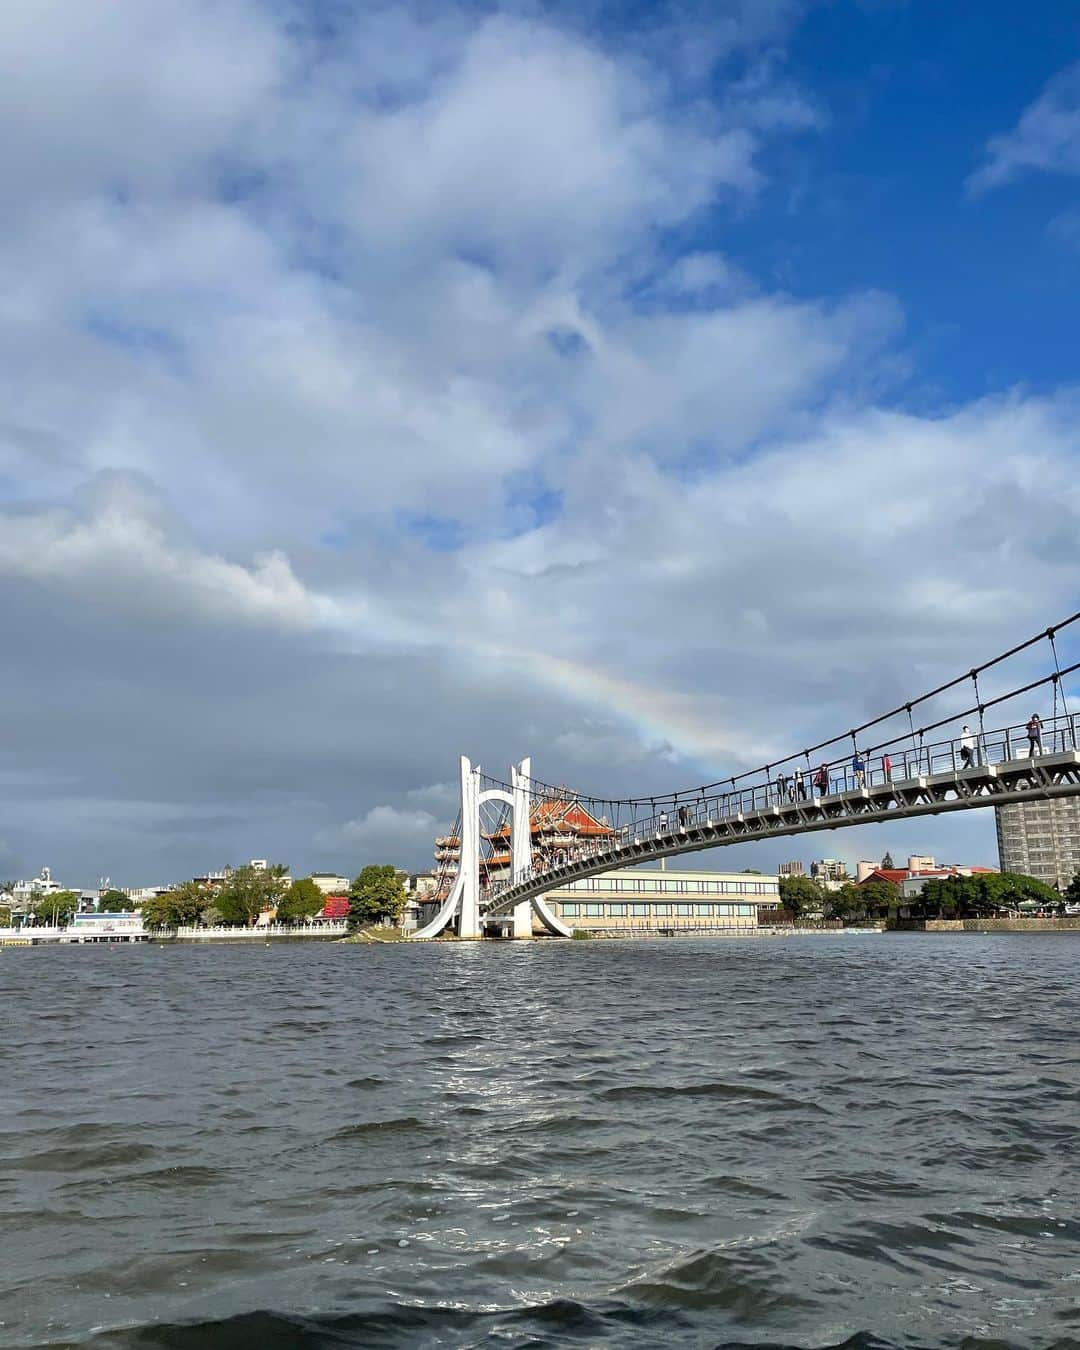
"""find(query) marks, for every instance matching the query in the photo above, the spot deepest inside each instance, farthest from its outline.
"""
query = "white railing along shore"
(194, 932)
(39, 933)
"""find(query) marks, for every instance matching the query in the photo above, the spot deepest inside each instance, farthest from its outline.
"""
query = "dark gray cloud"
(360, 413)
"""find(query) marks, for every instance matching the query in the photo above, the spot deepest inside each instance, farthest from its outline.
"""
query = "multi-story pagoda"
(556, 825)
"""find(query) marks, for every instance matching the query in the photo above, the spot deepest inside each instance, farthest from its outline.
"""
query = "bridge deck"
(988, 784)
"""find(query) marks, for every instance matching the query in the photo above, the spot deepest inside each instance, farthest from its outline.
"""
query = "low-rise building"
(331, 883)
(218, 878)
(911, 881)
(335, 909)
(105, 928)
(23, 892)
(645, 900)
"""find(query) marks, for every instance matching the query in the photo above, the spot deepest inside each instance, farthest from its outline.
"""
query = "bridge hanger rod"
(979, 707)
(1047, 633)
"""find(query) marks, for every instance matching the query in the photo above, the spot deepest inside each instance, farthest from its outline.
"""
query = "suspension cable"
(1058, 671)
(547, 788)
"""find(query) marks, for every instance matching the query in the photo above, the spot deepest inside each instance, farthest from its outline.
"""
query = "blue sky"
(643, 387)
(909, 95)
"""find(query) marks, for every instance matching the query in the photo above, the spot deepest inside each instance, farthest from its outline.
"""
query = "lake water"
(821, 1141)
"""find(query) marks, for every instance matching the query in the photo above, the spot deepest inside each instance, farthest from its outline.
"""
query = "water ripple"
(866, 1143)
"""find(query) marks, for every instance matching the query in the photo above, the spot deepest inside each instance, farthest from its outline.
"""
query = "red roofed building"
(556, 826)
(336, 907)
(910, 881)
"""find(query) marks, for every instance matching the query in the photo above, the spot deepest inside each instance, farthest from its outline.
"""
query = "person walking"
(967, 747)
(1034, 735)
(821, 781)
(781, 788)
(886, 767)
(858, 768)
(663, 822)
(800, 786)
(684, 816)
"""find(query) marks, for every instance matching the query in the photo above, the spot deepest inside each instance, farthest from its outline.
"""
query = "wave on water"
(634, 1146)
(364, 1128)
(560, 1323)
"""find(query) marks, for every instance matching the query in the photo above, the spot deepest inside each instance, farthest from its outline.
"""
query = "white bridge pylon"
(463, 901)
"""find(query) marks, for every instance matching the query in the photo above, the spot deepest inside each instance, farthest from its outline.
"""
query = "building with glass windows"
(1040, 839)
(647, 900)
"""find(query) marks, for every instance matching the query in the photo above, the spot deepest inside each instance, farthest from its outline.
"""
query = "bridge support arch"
(463, 901)
(521, 857)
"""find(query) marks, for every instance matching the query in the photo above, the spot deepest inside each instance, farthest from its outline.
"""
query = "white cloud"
(273, 306)
(118, 553)
(538, 148)
(128, 94)
(440, 798)
(1046, 139)
(386, 831)
(407, 224)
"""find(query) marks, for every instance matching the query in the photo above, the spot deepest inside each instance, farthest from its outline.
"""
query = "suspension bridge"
(889, 768)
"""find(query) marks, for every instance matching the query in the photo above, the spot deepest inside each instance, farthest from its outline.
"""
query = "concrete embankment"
(1001, 926)
(719, 934)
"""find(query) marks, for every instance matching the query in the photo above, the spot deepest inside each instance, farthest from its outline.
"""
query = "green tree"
(247, 891)
(847, 903)
(1072, 890)
(113, 902)
(1011, 888)
(801, 895)
(377, 895)
(301, 901)
(980, 895)
(56, 907)
(878, 897)
(184, 904)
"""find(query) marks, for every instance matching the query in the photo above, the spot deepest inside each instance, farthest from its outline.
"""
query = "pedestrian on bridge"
(821, 781)
(663, 822)
(1034, 735)
(968, 746)
(858, 768)
(800, 785)
(886, 767)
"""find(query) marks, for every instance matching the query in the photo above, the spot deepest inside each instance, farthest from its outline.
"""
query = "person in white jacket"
(967, 747)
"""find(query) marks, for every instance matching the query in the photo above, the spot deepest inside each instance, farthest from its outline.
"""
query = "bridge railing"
(902, 761)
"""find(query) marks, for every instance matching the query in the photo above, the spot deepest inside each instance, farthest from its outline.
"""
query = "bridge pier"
(521, 842)
(469, 906)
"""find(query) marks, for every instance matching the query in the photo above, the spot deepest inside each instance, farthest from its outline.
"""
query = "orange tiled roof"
(561, 814)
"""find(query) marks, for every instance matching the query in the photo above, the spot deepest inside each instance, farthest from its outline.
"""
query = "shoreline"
(928, 927)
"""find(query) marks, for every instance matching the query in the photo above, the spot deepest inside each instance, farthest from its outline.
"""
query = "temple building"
(556, 827)
(638, 900)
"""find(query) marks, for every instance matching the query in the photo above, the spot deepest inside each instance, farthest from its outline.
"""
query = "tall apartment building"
(1040, 839)
(829, 872)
